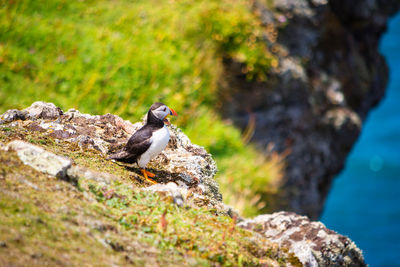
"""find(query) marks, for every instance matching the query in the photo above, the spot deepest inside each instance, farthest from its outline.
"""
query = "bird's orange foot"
(150, 174)
(146, 175)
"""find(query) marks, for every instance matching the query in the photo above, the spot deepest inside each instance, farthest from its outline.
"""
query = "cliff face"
(63, 204)
(312, 105)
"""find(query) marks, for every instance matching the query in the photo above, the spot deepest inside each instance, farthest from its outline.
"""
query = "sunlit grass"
(43, 220)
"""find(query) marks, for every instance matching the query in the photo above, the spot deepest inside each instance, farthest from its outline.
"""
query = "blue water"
(364, 202)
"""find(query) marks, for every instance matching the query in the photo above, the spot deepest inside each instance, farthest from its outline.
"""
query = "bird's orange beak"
(172, 112)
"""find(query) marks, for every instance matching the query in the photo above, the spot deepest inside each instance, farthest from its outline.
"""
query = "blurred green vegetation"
(120, 56)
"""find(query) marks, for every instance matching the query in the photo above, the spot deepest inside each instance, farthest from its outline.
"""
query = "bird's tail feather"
(122, 156)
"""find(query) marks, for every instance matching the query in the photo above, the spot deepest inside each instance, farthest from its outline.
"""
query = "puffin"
(147, 142)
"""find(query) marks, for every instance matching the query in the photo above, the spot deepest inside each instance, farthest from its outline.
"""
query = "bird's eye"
(165, 109)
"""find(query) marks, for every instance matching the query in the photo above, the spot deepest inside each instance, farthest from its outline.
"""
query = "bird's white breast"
(159, 141)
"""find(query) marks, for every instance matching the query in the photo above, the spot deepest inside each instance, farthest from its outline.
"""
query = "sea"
(364, 201)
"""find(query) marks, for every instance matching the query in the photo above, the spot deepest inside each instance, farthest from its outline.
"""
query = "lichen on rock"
(40, 159)
(311, 242)
(42, 110)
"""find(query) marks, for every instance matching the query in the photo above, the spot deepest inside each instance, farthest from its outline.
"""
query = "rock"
(183, 195)
(185, 163)
(76, 172)
(312, 105)
(311, 242)
(42, 110)
(40, 159)
(191, 164)
(12, 115)
(170, 190)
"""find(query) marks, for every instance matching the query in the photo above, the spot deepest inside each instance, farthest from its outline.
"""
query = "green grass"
(50, 222)
(121, 56)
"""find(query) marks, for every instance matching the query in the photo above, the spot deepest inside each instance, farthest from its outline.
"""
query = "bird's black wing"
(139, 142)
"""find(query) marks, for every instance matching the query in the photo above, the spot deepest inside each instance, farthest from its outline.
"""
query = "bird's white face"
(162, 112)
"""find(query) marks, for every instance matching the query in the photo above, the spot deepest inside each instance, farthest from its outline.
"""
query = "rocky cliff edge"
(62, 203)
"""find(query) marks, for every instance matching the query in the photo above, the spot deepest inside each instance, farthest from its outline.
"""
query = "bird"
(147, 142)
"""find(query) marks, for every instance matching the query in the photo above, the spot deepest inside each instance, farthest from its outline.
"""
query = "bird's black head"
(156, 105)
(158, 112)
